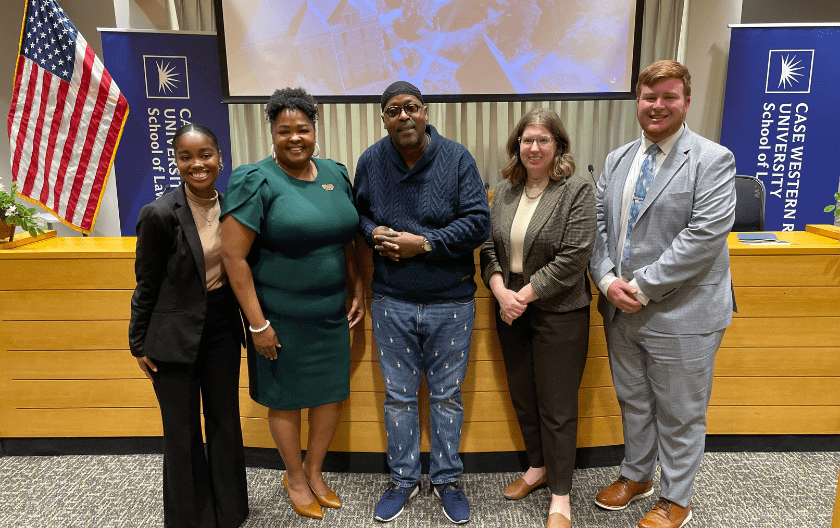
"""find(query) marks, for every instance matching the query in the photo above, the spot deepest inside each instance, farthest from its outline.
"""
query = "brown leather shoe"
(666, 514)
(558, 520)
(519, 489)
(622, 492)
(330, 500)
(311, 510)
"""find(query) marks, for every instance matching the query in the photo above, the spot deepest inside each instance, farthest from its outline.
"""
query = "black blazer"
(169, 304)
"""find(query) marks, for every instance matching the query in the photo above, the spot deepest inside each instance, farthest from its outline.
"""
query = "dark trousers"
(204, 489)
(544, 354)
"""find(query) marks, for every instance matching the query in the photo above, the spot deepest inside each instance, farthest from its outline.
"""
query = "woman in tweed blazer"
(543, 231)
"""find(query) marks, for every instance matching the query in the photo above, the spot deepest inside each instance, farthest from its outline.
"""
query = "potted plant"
(834, 208)
(14, 214)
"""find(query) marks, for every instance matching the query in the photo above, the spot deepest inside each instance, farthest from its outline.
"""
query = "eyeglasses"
(395, 111)
(542, 141)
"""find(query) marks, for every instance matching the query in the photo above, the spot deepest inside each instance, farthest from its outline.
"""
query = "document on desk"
(760, 238)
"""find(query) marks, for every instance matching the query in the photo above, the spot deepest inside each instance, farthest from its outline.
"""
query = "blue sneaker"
(456, 507)
(392, 503)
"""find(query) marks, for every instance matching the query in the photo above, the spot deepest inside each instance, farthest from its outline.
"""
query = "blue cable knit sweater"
(442, 198)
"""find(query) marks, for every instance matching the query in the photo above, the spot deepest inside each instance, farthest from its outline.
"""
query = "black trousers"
(204, 489)
(545, 353)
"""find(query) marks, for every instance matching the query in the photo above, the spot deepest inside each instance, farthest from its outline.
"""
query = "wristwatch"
(427, 246)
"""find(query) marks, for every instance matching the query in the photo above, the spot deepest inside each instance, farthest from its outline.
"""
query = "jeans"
(432, 338)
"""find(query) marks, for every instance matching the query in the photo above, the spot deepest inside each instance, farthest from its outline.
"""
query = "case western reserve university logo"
(166, 77)
(789, 71)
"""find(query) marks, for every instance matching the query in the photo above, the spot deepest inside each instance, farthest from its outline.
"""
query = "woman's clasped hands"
(511, 304)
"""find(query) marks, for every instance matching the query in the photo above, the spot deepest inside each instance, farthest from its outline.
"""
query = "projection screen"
(453, 50)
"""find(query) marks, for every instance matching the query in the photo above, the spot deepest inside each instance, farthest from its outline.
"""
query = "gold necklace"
(538, 194)
(196, 210)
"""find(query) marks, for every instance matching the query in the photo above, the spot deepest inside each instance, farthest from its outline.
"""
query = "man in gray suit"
(665, 204)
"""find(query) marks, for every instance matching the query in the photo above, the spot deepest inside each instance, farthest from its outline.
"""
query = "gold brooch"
(328, 186)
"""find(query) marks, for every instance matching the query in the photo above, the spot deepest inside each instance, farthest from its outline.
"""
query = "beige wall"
(786, 12)
(10, 26)
(141, 14)
(706, 55)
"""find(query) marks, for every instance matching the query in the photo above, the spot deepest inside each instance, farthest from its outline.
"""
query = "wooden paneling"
(761, 391)
(785, 270)
(774, 420)
(792, 332)
(76, 394)
(71, 305)
(69, 364)
(801, 362)
(83, 422)
(79, 274)
(65, 368)
(63, 334)
(792, 301)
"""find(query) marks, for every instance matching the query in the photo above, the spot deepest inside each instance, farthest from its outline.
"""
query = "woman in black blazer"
(186, 334)
(534, 262)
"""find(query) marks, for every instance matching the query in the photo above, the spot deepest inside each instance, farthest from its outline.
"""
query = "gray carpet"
(733, 490)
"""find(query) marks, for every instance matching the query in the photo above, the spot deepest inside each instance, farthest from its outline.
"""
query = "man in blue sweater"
(424, 210)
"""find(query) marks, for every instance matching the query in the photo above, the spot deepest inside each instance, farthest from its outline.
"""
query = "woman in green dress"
(287, 243)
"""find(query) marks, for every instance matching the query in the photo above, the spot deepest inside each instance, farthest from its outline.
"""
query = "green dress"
(302, 228)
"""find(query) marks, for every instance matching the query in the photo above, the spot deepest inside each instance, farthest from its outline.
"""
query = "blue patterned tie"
(642, 184)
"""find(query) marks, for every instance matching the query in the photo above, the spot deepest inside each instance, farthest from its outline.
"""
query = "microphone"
(592, 174)
(168, 186)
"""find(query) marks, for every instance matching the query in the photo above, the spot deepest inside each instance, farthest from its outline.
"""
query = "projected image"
(449, 47)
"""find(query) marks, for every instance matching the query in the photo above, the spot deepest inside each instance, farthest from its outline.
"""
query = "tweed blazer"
(678, 255)
(558, 242)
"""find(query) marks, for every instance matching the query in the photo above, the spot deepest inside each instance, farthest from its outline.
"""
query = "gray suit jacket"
(558, 242)
(679, 255)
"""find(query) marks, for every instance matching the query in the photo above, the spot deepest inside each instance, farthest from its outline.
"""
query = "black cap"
(399, 88)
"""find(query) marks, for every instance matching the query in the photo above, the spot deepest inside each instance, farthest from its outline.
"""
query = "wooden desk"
(65, 368)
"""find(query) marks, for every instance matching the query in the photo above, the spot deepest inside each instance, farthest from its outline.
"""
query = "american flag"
(65, 120)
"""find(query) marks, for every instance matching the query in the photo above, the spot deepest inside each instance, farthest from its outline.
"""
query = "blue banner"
(170, 79)
(781, 118)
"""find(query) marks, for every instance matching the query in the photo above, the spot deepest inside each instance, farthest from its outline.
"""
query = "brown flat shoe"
(519, 489)
(330, 500)
(312, 511)
(666, 514)
(622, 492)
(558, 520)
